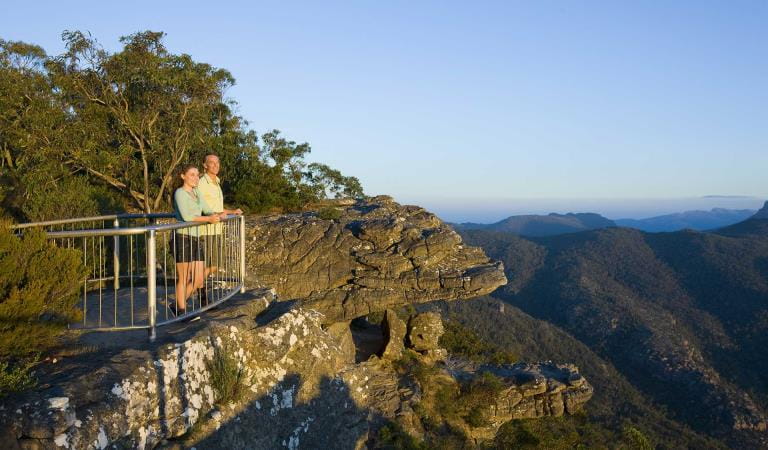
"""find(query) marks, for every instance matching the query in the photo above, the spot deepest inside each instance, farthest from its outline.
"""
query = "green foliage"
(545, 433)
(410, 364)
(624, 293)
(460, 340)
(125, 121)
(477, 396)
(636, 439)
(38, 292)
(226, 375)
(329, 182)
(16, 378)
(392, 436)
(329, 213)
(615, 399)
(67, 198)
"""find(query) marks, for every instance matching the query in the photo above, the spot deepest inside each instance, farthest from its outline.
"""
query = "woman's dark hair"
(177, 181)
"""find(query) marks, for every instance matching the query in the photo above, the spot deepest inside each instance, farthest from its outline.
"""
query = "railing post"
(116, 256)
(242, 254)
(151, 284)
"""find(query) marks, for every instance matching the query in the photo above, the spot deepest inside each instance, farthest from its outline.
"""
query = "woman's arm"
(189, 210)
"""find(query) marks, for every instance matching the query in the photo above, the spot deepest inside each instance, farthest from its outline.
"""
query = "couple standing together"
(199, 199)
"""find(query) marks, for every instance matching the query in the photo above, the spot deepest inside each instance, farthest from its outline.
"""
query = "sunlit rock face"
(376, 255)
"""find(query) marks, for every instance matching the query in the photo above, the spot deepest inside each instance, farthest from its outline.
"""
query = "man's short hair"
(209, 155)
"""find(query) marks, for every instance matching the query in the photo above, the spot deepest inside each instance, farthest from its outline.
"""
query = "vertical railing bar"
(208, 263)
(101, 272)
(196, 293)
(230, 261)
(93, 246)
(165, 272)
(217, 275)
(151, 283)
(130, 273)
(183, 283)
(85, 286)
(116, 257)
(242, 254)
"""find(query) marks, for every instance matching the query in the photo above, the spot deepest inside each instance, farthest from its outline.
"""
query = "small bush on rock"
(16, 378)
(329, 213)
(226, 375)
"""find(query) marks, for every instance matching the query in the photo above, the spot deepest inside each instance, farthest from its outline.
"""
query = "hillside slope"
(616, 402)
(683, 316)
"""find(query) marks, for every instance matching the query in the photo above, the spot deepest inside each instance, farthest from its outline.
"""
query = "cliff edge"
(374, 255)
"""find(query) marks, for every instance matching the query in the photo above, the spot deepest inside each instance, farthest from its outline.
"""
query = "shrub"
(477, 396)
(392, 436)
(70, 197)
(460, 340)
(16, 378)
(329, 213)
(226, 375)
(635, 439)
(39, 285)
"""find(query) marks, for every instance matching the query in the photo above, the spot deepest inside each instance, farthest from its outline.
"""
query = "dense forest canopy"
(91, 131)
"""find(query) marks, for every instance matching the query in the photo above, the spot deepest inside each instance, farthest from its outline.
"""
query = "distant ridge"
(540, 225)
(695, 220)
(762, 213)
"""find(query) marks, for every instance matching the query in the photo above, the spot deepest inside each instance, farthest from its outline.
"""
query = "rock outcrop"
(377, 255)
(424, 331)
(298, 389)
(394, 335)
(529, 391)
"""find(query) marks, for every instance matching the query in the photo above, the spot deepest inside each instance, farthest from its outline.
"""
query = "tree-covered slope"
(683, 316)
(616, 405)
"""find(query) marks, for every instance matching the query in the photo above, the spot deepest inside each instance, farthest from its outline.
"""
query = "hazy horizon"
(479, 210)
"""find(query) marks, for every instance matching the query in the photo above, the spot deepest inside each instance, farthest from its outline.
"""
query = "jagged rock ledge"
(301, 390)
(376, 255)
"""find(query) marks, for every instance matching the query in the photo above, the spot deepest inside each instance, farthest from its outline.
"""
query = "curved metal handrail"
(93, 242)
(93, 219)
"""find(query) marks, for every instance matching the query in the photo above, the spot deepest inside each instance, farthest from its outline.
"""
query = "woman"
(189, 206)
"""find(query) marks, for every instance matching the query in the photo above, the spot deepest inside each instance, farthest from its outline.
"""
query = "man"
(210, 189)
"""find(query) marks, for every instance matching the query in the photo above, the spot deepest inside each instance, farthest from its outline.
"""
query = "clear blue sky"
(436, 102)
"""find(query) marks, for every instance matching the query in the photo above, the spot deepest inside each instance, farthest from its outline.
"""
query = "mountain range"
(543, 225)
(682, 316)
(695, 220)
(553, 224)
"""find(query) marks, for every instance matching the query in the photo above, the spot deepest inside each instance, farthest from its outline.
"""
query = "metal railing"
(147, 270)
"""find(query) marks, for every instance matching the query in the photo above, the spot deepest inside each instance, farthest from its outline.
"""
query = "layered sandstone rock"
(300, 389)
(377, 255)
(424, 331)
(529, 391)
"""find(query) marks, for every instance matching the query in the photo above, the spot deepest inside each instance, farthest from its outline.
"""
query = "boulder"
(343, 334)
(394, 335)
(424, 331)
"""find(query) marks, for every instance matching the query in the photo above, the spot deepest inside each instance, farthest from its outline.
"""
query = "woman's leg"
(198, 274)
(183, 288)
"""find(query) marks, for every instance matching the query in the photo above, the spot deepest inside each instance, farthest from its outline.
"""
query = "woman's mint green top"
(186, 207)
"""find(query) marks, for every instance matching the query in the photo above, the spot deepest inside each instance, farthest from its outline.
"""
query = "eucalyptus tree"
(135, 114)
